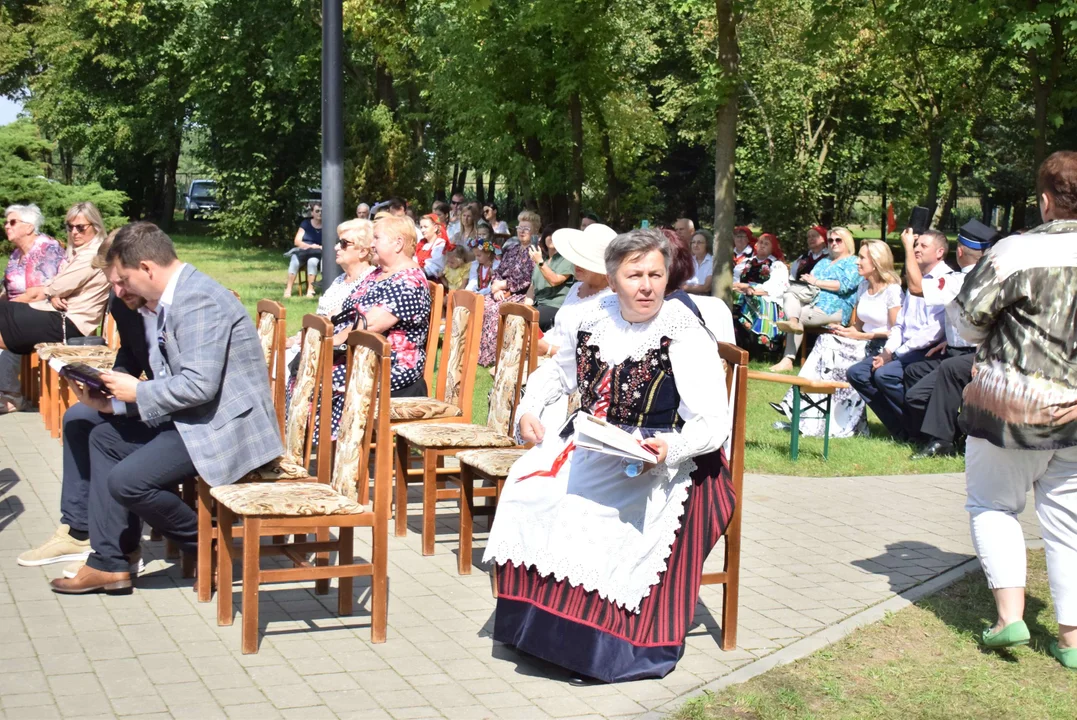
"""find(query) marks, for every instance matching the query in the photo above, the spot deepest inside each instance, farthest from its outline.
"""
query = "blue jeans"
(884, 390)
(313, 265)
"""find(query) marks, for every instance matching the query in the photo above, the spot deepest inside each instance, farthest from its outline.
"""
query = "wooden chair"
(803, 389)
(455, 389)
(272, 334)
(273, 508)
(517, 335)
(491, 465)
(437, 308)
(315, 372)
(736, 380)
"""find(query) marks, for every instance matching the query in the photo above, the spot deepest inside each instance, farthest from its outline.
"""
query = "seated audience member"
(35, 260)
(550, 280)
(1019, 307)
(743, 249)
(878, 300)
(467, 234)
(630, 624)
(455, 206)
(441, 209)
(685, 229)
(804, 264)
(207, 411)
(354, 256)
(397, 207)
(585, 250)
(362, 211)
(433, 244)
(457, 268)
(511, 279)
(712, 311)
(881, 380)
(588, 219)
(393, 300)
(136, 328)
(308, 249)
(703, 263)
(489, 214)
(933, 395)
(763, 282)
(487, 258)
(834, 281)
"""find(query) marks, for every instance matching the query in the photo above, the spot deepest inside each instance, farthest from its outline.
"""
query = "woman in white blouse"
(703, 264)
(762, 283)
(877, 305)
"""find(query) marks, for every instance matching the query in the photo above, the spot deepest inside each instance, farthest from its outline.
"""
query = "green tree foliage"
(23, 161)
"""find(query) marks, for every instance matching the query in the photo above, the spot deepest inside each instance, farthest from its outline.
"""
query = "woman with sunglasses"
(835, 280)
(69, 304)
(489, 214)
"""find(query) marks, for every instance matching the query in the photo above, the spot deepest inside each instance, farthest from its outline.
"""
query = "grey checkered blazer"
(216, 388)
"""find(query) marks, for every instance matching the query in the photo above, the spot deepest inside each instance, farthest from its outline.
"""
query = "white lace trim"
(619, 339)
(628, 591)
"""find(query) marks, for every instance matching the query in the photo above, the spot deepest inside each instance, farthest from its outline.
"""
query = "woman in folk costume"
(763, 282)
(601, 557)
(434, 245)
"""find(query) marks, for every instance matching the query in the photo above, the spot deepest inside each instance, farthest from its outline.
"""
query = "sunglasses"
(835, 239)
(345, 244)
(13, 222)
(78, 227)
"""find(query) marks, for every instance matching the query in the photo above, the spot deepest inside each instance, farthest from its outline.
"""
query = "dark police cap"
(977, 236)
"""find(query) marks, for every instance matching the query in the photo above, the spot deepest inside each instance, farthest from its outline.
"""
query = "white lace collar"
(619, 339)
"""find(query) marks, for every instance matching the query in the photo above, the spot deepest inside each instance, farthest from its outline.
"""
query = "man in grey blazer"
(208, 411)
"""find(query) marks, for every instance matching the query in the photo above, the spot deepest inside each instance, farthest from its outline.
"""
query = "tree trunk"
(946, 216)
(885, 224)
(986, 208)
(480, 189)
(1043, 81)
(1005, 215)
(462, 181)
(168, 205)
(490, 187)
(934, 175)
(725, 191)
(613, 189)
(1019, 208)
(575, 112)
(455, 177)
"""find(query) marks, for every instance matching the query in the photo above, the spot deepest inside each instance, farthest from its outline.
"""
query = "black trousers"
(133, 470)
(547, 314)
(933, 403)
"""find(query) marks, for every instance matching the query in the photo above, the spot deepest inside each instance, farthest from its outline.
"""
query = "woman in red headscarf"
(433, 246)
(761, 285)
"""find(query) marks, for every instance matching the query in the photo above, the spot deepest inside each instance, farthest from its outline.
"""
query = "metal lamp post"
(332, 134)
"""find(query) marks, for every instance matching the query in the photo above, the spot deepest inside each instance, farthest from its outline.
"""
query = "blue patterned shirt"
(846, 273)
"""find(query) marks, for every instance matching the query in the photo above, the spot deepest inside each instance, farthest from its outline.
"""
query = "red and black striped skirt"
(578, 630)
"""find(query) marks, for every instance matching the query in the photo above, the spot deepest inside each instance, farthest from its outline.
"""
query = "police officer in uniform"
(934, 392)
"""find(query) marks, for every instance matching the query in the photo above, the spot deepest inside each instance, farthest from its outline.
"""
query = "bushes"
(22, 165)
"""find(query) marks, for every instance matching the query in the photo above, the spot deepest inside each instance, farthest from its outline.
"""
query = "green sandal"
(1066, 656)
(1016, 633)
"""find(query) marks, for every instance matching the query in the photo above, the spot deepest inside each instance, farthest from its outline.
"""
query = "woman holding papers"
(601, 554)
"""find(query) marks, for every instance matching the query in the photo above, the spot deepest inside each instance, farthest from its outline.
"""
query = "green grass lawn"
(257, 273)
(922, 662)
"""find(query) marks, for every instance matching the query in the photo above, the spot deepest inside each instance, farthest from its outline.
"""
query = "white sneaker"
(61, 547)
(135, 558)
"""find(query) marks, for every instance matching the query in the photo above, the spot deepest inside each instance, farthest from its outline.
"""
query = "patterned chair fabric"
(279, 469)
(287, 499)
(508, 371)
(454, 368)
(48, 351)
(494, 463)
(358, 395)
(421, 408)
(267, 329)
(423, 435)
(299, 411)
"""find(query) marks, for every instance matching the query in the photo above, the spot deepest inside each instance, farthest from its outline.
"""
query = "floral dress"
(515, 268)
(599, 570)
(35, 268)
(406, 295)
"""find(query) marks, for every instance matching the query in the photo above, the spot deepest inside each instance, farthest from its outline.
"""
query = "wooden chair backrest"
(460, 351)
(517, 348)
(274, 314)
(365, 412)
(736, 381)
(437, 303)
(312, 397)
(110, 332)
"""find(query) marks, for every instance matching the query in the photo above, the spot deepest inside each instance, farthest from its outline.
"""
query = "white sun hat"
(585, 248)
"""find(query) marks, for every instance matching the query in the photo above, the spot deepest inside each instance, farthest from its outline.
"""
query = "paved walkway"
(815, 552)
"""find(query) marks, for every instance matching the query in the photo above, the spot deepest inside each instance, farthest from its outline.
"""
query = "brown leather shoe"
(89, 580)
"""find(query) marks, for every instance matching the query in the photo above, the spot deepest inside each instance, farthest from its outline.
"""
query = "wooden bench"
(800, 386)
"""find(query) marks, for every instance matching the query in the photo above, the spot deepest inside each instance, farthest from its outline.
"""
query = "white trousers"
(997, 482)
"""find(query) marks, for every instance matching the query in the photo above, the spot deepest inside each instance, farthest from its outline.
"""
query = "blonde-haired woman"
(878, 300)
(355, 241)
(835, 280)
